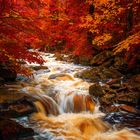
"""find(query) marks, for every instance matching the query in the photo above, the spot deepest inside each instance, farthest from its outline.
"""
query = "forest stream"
(65, 110)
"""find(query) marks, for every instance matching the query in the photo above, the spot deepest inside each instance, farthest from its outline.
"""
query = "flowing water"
(65, 109)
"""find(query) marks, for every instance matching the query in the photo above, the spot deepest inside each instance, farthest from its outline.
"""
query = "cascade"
(65, 109)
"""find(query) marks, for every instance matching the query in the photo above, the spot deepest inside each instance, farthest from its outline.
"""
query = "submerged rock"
(61, 76)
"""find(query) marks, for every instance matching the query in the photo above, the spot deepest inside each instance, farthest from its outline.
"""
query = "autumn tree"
(19, 32)
(115, 25)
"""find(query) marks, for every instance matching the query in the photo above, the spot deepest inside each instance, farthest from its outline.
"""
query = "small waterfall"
(72, 103)
(46, 105)
(40, 107)
(65, 109)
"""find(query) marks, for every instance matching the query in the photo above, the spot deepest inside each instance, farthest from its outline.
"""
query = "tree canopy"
(82, 27)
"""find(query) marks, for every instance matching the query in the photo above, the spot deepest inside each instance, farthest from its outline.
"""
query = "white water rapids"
(66, 111)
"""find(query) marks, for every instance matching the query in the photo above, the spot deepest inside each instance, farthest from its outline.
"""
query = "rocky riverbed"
(55, 91)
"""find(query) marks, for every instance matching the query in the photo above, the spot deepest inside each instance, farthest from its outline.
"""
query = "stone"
(41, 67)
(90, 74)
(128, 108)
(83, 60)
(96, 90)
(134, 82)
(58, 56)
(22, 78)
(115, 86)
(54, 76)
(129, 98)
(107, 99)
(7, 74)
(109, 73)
(120, 64)
(18, 108)
(101, 58)
(99, 74)
(61, 76)
(113, 81)
(121, 107)
(123, 119)
(1, 81)
(108, 63)
(11, 130)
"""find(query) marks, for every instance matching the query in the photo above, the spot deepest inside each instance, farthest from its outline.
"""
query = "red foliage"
(76, 26)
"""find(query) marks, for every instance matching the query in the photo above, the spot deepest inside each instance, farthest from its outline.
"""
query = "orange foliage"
(76, 26)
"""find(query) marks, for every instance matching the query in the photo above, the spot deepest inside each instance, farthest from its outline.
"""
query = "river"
(66, 111)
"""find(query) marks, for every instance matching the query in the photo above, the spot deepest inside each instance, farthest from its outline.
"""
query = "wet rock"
(96, 90)
(18, 108)
(120, 64)
(91, 74)
(7, 74)
(121, 107)
(83, 60)
(1, 81)
(129, 109)
(54, 76)
(107, 99)
(41, 67)
(11, 95)
(113, 81)
(64, 57)
(108, 63)
(115, 86)
(134, 82)
(100, 74)
(11, 130)
(130, 98)
(61, 76)
(121, 120)
(59, 56)
(101, 58)
(22, 78)
(109, 73)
